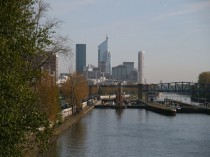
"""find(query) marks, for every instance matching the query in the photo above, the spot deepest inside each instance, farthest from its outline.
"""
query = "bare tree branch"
(47, 41)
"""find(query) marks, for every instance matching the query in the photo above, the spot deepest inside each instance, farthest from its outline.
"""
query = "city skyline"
(174, 34)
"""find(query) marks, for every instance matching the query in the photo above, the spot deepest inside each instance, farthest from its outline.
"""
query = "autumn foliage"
(48, 96)
(204, 80)
(74, 90)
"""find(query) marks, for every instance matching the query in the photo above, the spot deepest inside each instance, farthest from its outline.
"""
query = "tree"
(74, 90)
(204, 81)
(204, 78)
(48, 96)
(23, 37)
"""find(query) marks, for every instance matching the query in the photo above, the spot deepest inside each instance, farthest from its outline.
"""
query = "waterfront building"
(104, 57)
(140, 66)
(80, 57)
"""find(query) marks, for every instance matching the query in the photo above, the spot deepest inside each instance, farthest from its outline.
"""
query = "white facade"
(140, 66)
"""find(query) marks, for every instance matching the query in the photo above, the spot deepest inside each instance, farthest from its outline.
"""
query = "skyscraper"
(140, 66)
(125, 72)
(80, 57)
(104, 57)
(129, 66)
(119, 73)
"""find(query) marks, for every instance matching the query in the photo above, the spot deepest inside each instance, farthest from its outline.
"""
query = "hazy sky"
(175, 34)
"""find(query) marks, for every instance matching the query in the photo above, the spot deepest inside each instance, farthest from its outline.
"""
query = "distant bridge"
(176, 87)
(188, 87)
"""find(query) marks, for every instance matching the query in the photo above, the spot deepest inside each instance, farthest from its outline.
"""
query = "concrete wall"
(68, 112)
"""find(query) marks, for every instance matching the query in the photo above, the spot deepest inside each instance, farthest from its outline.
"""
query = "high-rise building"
(80, 57)
(132, 77)
(129, 66)
(109, 66)
(125, 72)
(140, 66)
(119, 73)
(104, 57)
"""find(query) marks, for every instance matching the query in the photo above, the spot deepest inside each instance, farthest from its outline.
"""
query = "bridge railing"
(182, 87)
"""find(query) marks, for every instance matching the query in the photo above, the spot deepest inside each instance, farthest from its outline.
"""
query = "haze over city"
(174, 34)
(102, 78)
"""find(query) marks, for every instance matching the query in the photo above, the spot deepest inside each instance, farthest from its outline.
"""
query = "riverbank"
(65, 125)
(69, 121)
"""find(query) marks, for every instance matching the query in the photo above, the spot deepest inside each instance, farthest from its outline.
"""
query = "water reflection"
(119, 113)
(77, 134)
(71, 143)
(135, 132)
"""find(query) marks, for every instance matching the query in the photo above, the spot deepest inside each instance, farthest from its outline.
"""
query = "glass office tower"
(104, 57)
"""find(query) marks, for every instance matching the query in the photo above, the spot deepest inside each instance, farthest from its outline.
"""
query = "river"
(135, 133)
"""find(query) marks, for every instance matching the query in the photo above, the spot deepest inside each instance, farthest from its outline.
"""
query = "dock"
(182, 107)
(168, 107)
(158, 108)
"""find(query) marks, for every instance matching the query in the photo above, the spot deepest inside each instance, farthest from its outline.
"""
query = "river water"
(135, 133)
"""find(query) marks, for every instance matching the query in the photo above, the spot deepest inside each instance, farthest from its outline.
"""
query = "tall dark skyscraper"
(80, 57)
